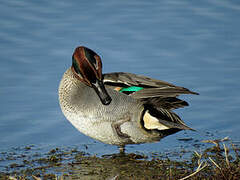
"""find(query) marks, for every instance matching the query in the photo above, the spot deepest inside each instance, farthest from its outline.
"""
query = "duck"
(118, 108)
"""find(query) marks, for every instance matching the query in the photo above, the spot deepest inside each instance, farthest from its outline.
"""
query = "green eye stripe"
(132, 88)
(75, 65)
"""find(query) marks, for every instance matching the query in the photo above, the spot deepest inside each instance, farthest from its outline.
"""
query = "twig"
(235, 150)
(197, 170)
(216, 141)
(215, 163)
(225, 139)
(12, 178)
(226, 155)
(217, 167)
(113, 178)
(60, 178)
(36, 178)
(199, 157)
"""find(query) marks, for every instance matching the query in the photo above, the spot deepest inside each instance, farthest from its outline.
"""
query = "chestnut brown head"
(87, 67)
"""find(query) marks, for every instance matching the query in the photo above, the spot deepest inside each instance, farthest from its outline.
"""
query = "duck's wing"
(129, 79)
(159, 98)
(150, 87)
(163, 120)
(169, 103)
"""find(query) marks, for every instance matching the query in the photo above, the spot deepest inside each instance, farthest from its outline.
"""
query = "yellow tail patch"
(150, 122)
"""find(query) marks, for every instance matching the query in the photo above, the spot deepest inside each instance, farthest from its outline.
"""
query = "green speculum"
(131, 88)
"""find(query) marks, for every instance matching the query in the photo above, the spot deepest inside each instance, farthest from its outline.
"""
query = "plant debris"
(217, 162)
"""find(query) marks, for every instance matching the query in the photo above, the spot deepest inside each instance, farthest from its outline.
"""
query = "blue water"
(194, 44)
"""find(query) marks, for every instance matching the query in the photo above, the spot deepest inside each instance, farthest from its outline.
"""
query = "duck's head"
(87, 67)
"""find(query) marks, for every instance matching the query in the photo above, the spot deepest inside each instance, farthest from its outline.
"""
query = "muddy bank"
(220, 161)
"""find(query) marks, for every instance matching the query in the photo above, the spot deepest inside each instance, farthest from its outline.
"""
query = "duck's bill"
(101, 92)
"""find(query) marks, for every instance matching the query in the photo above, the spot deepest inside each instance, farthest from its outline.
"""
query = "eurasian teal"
(118, 108)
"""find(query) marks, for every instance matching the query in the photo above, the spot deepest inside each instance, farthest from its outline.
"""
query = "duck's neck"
(71, 91)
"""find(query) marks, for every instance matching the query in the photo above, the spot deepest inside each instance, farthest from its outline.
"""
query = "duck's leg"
(121, 149)
(117, 128)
